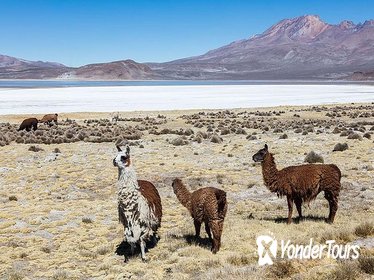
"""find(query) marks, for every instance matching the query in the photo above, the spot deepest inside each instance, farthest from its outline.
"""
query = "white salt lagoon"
(154, 98)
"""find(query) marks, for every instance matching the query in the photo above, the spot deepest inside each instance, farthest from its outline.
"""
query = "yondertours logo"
(268, 248)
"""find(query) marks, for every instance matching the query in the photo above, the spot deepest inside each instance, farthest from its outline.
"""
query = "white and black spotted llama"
(139, 204)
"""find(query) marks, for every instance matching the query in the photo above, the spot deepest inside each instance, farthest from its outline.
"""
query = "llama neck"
(127, 180)
(269, 172)
(183, 195)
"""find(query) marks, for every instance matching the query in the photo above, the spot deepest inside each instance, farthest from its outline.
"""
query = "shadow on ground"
(124, 248)
(280, 220)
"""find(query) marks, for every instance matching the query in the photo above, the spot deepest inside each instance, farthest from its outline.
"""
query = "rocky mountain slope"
(302, 47)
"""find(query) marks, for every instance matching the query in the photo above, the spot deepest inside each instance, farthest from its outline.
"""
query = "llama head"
(260, 155)
(122, 159)
(176, 182)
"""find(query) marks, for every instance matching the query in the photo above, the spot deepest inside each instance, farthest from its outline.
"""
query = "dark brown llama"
(206, 205)
(301, 183)
(28, 124)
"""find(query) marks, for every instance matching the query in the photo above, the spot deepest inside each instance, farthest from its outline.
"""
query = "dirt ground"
(59, 220)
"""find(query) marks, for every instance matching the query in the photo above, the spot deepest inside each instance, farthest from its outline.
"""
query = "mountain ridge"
(304, 47)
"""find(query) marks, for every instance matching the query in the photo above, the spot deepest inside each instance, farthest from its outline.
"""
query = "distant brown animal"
(28, 124)
(206, 205)
(48, 119)
(301, 183)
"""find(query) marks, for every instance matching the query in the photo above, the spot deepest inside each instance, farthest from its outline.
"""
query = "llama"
(301, 183)
(28, 124)
(206, 205)
(139, 204)
(48, 119)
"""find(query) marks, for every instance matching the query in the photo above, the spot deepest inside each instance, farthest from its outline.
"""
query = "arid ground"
(59, 219)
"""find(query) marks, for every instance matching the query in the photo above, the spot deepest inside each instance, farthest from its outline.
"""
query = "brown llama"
(28, 124)
(301, 183)
(139, 204)
(48, 119)
(206, 205)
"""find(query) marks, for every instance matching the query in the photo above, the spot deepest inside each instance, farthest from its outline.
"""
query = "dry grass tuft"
(365, 229)
(87, 220)
(347, 270)
(60, 275)
(238, 260)
(13, 198)
(366, 264)
(281, 269)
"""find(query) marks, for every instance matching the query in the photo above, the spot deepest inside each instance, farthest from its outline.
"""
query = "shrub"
(312, 157)
(354, 136)
(340, 147)
(367, 135)
(251, 137)
(87, 220)
(215, 139)
(179, 141)
(283, 136)
(35, 149)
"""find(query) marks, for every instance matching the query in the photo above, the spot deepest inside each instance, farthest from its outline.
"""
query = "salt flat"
(151, 98)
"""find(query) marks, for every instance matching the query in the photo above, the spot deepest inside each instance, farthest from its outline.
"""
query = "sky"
(79, 32)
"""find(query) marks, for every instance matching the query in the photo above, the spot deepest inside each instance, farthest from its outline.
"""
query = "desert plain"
(59, 219)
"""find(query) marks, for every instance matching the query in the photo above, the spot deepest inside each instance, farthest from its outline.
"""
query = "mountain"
(117, 70)
(15, 68)
(300, 48)
(305, 47)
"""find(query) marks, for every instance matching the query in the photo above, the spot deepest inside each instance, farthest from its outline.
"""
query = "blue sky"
(78, 32)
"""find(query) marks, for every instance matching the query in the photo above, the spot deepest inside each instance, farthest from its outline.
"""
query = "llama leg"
(333, 205)
(132, 248)
(290, 206)
(197, 228)
(214, 225)
(298, 203)
(207, 229)
(142, 249)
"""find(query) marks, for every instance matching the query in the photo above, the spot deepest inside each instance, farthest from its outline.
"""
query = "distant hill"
(117, 70)
(300, 48)
(14, 68)
(361, 76)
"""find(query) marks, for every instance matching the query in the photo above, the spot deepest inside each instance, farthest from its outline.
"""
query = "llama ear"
(266, 147)
(118, 148)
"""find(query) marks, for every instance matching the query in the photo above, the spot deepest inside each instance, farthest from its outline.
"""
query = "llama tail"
(222, 203)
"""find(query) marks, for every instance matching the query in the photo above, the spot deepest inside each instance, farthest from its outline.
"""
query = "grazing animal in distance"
(139, 204)
(206, 205)
(49, 118)
(301, 183)
(28, 124)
